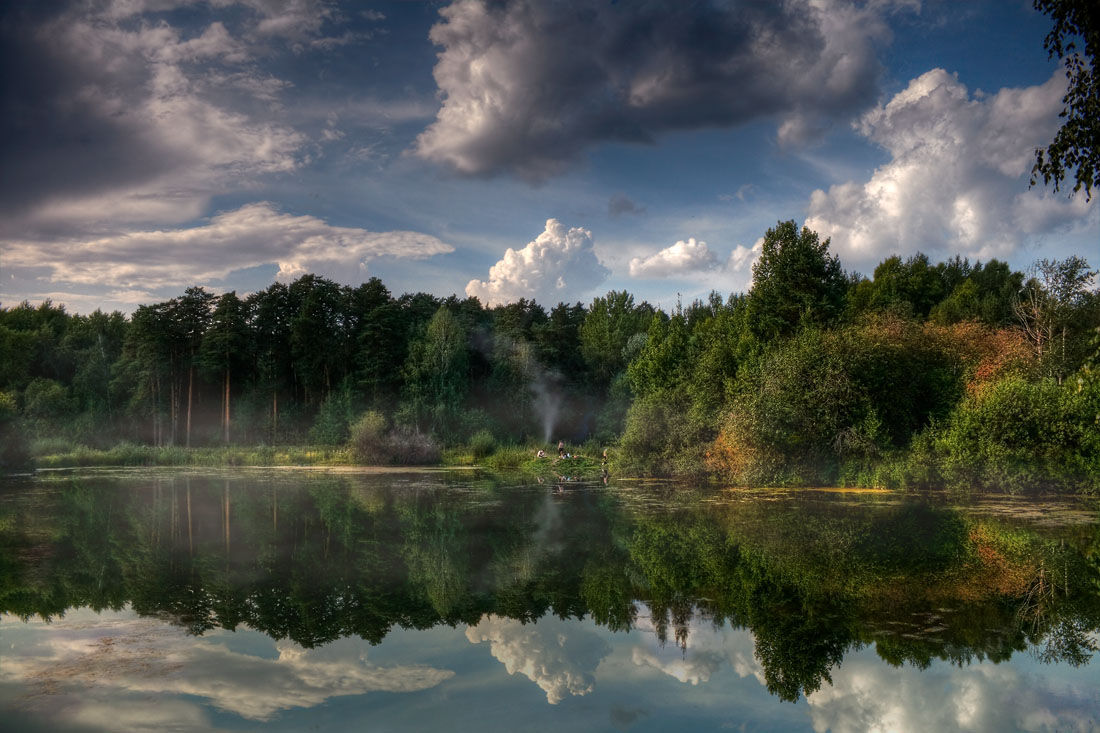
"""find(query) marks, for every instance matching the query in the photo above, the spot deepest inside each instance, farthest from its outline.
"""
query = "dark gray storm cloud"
(108, 116)
(527, 85)
(58, 138)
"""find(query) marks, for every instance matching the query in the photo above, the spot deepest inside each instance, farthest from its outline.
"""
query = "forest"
(924, 375)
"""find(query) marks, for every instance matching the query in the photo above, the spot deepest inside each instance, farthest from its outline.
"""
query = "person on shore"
(561, 449)
(540, 454)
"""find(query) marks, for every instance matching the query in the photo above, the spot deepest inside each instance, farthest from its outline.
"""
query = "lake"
(285, 599)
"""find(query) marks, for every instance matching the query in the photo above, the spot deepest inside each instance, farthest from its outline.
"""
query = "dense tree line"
(814, 375)
(922, 375)
(297, 362)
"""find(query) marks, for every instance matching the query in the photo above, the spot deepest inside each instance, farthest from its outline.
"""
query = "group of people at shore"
(563, 455)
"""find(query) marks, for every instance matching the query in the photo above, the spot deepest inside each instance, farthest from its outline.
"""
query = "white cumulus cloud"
(558, 265)
(551, 653)
(868, 695)
(698, 668)
(957, 178)
(742, 258)
(681, 258)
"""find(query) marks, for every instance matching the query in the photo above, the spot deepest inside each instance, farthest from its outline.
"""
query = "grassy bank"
(584, 464)
(131, 454)
(59, 454)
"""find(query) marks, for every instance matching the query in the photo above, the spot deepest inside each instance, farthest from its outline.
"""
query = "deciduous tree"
(1075, 150)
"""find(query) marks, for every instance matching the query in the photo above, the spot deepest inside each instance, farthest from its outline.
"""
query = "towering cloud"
(551, 653)
(527, 85)
(558, 265)
(957, 178)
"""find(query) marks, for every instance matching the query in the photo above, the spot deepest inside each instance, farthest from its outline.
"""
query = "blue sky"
(516, 149)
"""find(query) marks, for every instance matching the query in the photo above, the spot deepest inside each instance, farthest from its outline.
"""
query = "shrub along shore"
(924, 375)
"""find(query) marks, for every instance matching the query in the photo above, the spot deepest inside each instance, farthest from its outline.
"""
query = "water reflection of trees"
(330, 557)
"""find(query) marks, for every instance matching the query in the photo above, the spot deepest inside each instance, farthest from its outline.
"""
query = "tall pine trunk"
(226, 416)
(190, 384)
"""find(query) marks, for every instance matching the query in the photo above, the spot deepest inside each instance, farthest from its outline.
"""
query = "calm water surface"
(302, 600)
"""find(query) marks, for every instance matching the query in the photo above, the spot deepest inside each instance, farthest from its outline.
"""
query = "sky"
(546, 150)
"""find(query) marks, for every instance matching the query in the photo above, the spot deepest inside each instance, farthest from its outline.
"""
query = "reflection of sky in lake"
(118, 671)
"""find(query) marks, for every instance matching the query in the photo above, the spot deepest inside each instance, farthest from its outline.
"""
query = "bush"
(368, 438)
(829, 405)
(1017, 436)
(45, 399)
(371, 444)
(409, 448)
(331, 425)
(482, 445)
(661, 439)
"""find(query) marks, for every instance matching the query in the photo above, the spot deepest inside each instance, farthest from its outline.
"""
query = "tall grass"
(131, 454)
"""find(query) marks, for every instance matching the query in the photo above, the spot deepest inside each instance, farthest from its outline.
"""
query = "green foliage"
(813, 377)
(436, 373)
(316, 333)
(482, 445)
(14, 451)
(511, 457)
(368, 439)
(611, 416)
(662, 439)
(45, 399)
(64, 454)
(661, 363)
(1055, 309)
(371, 443)
(331, 427)
(911, 287)
(1019, 435)
(978, 293)
(825, 397)
(511, 385)
(607, 329)
(794, 282)
(1075, 149)
(18, 349)
(558, 340)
